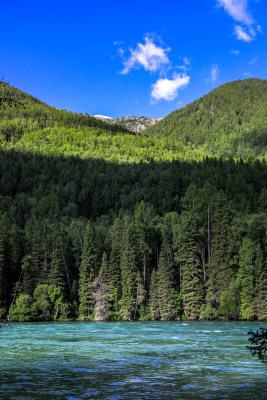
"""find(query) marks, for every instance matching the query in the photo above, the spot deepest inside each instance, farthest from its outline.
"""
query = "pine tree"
(143, 217)
(57, 273)
(4, 259)
(129, 268)
(166, 279)
(250, 261)
(153, 302)
(87, 272)
(140, 295)
(118, 234)
(219, 269)
(260, 301)
(191, 270)
(28, 282)
(104, 272)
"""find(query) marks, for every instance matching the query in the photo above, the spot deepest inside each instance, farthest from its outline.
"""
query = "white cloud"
(214, 73)
(186, 60)
(150, 56)
(254, 60)
(167, 89)
(247, 75)
(235, 52)
(237, 9)
(241, 34)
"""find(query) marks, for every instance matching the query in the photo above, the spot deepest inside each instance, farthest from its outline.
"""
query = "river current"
(130, 360)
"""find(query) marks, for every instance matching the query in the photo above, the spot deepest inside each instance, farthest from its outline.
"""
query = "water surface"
(135, 360)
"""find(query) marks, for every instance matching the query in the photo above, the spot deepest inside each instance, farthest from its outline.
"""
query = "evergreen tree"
(140, 296)
(57, 273)
(118, 234)
(43, 273)
(250, 262)
(28, 282)
(191, 269)
(129, 268)
(104, 271)
(4, 260)
(166, 279)
(87, 272)
(220, 272)
(154, 301)
(260, 301)
(143, 218)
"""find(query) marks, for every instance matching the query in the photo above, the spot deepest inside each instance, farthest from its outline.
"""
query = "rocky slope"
(134, 124)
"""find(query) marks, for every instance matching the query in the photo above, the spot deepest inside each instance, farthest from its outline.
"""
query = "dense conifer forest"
(97, 222)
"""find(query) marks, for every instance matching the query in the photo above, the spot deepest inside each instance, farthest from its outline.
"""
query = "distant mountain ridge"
(231, 120)
(134, 124)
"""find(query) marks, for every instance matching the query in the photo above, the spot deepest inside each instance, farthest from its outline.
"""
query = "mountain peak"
(132, 123)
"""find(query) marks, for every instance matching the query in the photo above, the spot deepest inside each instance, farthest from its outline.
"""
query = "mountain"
(230, 120)
(22, 109)
(29, 124)
(133, 124)
(98, 222)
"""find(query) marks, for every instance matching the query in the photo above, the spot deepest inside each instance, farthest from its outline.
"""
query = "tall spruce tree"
(154, 301)
(191, 269)
(28, 282)
(129, 269)
(143, 218)
(118, 233)
(57, 273)
(260, 301)
(166, 279)
(87, 272)
(104, 272)
(140, 296)
(219, 270)
(250, 262)
(4, 260)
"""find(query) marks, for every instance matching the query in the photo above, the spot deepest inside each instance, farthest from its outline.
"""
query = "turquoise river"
(130, 360)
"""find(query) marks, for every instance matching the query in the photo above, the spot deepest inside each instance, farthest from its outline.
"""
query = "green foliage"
(250, 261)
(87, 272)
(167, 231)
(42, 298)
(191, 270)
(220, 271)
(229, 121)
(4, 258)
(57, 299)
(57, 268)
(129, 269)
(229, 303)
(259, 341)
(22, 310)
(154, 299)
(166, 280)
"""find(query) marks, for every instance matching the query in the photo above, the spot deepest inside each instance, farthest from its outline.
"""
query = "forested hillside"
(100, 223)
(229, 121)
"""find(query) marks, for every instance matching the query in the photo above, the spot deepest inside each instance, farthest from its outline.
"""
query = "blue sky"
(121, 58)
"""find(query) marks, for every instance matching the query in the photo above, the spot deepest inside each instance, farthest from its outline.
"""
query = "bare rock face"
(134, 124)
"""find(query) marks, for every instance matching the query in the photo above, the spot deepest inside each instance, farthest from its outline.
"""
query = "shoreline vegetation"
(100, 223)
